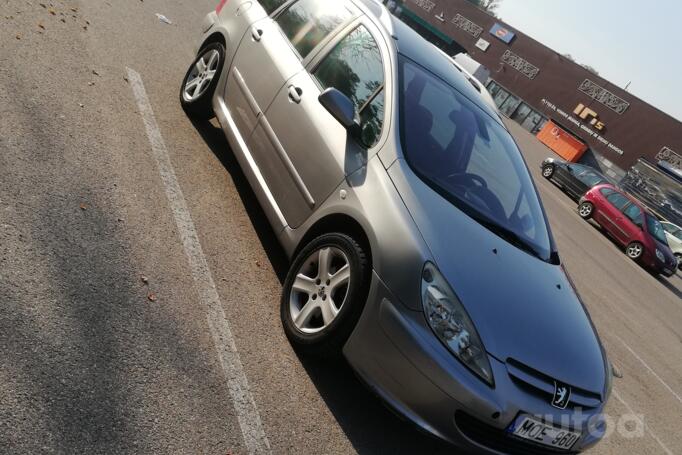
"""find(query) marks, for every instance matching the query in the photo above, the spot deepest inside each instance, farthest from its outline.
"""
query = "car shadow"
(370, 426)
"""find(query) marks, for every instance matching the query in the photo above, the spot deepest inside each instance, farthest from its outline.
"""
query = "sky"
(624, 40)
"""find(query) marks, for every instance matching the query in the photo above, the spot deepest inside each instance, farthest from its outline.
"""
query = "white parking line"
(627, 406)
(653, 373)
(249, 419)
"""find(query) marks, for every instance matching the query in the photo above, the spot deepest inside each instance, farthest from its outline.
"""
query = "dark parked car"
(631, 225)
(574, 179)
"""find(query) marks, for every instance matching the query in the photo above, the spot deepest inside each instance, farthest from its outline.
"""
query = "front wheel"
(585, 210)
(324, 294)
(201, 80)
(635, 251)
(547, 171)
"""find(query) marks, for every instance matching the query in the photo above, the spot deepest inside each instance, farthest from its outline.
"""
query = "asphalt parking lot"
(106, 346)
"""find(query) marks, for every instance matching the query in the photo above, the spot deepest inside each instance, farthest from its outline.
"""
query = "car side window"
(617, 200)
(307, 22)
(354, 67)
(635, 214)
(606, 191)
(589, 178)
(271, 5)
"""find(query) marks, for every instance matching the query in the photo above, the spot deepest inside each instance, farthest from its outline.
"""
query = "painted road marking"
(653, 373)
(629, 409)
(249, 419)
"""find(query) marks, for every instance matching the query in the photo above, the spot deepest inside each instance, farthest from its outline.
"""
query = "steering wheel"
(473, 178)
(476, 191)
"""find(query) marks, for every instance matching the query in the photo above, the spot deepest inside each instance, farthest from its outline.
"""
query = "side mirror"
(339, 106)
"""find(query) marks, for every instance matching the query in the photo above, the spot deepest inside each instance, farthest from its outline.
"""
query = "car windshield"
(470, 159)
(656, 229)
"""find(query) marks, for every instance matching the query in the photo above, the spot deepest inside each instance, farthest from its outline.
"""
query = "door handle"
(295, 94)
(256, 33)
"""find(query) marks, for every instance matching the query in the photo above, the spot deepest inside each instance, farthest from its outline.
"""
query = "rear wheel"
(547, 171)
(201, 80)
(324, 294)
(585, 210)
(635, 250)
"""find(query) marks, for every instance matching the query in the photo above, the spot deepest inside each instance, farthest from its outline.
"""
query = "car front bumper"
(397, 355)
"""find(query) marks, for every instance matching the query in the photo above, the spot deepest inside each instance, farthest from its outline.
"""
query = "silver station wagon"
(420, 250)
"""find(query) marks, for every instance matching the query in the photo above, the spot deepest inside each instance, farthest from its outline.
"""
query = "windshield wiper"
(509, 235)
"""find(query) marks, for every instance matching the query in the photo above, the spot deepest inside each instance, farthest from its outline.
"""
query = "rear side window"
(307, 22)
(617, 200)
(606, 191)
(635, 214)
(354, 68)
(590, 179)
(271, 5)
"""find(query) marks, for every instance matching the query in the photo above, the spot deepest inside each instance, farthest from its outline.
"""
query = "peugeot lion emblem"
(562, 393)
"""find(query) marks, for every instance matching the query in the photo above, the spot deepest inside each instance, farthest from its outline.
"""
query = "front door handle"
(256, 33)
(295, 94)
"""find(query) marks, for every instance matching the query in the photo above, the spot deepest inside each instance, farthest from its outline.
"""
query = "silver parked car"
(420, 249)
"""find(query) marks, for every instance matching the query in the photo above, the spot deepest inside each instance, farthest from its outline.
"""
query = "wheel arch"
(216, 37)
(341, 223)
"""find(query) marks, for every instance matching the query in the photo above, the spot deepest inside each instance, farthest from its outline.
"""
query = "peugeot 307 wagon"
(420, 250)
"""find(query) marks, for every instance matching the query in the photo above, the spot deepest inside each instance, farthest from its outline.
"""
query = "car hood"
(523, 308)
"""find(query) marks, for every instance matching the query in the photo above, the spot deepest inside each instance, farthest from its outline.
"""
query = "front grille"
(542, 385)
(499, 440)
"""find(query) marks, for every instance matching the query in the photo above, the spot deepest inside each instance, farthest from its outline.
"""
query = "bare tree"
(490, 6)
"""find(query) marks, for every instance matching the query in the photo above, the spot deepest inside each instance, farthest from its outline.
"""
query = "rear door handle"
(256, 33)
(295, 94)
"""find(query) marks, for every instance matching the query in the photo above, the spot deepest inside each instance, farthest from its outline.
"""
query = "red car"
(631, 225)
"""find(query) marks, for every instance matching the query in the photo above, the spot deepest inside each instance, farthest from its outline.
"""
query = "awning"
(426, 25)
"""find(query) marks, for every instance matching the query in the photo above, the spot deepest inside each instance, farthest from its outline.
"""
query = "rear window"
(307, 22)
(271, 5)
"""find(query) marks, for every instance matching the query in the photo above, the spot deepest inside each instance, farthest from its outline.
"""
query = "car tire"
(635, 251)
(548, 171)
(313, 319)
(200, 82)
(586, 210)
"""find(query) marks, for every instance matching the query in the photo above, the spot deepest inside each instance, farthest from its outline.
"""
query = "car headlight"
(660, 255)
(451, 323)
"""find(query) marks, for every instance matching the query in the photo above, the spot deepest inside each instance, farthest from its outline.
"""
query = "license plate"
(533, 430)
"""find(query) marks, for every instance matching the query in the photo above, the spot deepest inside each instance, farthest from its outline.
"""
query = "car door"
(612, 216)
(272, 51)
(632, 222)
(314, 151)
(566, 175)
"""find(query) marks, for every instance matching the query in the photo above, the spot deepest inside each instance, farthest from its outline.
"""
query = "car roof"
(634, 201)
(415, 47)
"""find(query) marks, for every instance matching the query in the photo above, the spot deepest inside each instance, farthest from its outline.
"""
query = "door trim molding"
(291, 169)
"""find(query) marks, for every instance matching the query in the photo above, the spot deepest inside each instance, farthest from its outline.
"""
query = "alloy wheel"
(635, 250)
(547, 171)
(201, 75)
(585, 210)
(319, 290)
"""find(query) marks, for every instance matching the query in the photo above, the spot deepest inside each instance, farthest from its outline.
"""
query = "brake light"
(220, 6)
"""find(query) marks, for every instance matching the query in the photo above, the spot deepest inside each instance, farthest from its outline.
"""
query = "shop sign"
(585, 127)
(482, 44)
(502, 33)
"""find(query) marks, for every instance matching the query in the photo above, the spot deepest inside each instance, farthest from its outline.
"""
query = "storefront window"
(532, 122)
(510, 105)
(521, 112)
(501, 96)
